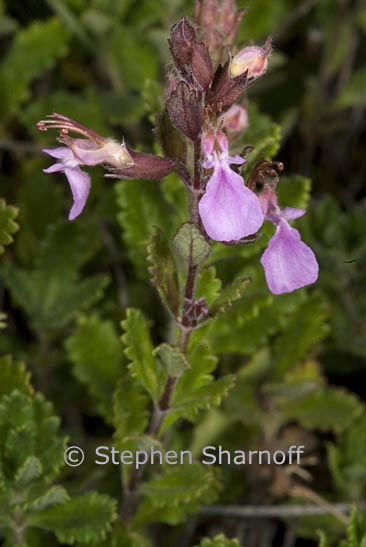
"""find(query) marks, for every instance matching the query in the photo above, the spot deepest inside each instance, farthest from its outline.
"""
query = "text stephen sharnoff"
(210, 455)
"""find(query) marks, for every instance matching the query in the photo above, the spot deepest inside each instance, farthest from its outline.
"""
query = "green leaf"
(142, 206)
(191, 244)
(139, 349)
(347, 461)
(29, 428)
(84, 518)
(172, 360)
(163, 270)
(263, 134)
(51, 304)
(8, 226)
(306, 327)
(34, 49)
(353, 93)
(331, 409)
(13, 376)
(28, 472)
(56, 495)
(219, 541)
(208, 284)
(130, 409)
(97, 356)
(231, 293)
(294, 191)
(123, 536)
(178, 492)
(188, 405)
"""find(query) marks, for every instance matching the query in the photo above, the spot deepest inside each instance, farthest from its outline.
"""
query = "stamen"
(65, 124)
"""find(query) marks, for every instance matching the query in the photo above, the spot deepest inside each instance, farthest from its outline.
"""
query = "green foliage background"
(79, 310)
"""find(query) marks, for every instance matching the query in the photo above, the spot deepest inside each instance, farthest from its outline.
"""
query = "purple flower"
(92, 150)
(79, 180)
(288, 262)
(229, 211)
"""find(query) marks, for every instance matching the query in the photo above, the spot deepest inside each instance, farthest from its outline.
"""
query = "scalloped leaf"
(230, 294)
(86, 518)
(142, 206)
(172, 360)
(331, 409)
(179, 491)
(13, 376)
(96, 352)
(187, 405)
(306, 327)
(163, 269)
(130, 409)
(139, 349)
(29, 428)
(56, 495)
(8, 226)
(28, 472)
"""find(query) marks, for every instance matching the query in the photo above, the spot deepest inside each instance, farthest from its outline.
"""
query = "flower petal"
(291, 213)
(288, 263)
(54, 168)
(60, 153)
(229, 211)
(80, 187)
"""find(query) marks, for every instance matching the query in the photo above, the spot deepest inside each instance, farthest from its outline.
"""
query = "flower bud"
(252, 59)
(145, 166)
(234, 120)
(182, 35)
(185, 111)
(202, 68)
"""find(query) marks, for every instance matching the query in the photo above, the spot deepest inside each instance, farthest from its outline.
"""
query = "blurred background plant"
(299, 360)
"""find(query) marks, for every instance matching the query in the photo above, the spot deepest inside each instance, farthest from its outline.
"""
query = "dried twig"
(272, 511)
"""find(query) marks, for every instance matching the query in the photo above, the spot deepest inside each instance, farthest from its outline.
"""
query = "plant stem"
(185, 330)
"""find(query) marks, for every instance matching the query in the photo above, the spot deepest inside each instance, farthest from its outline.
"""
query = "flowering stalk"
(202, 108)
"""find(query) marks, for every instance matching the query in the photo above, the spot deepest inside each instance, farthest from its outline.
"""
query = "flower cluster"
(204, 105)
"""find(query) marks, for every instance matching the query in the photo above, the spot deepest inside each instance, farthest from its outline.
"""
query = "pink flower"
(234, 120)
(288, 262)
(92, 150)
(79, 181)
(229, 211)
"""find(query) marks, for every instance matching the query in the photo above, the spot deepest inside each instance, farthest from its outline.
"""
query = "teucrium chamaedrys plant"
(197, 131)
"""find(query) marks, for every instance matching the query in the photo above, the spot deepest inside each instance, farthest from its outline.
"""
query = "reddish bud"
(146, 166)
(202, 68)
(182, 35)
(185, 111)
(226, 90)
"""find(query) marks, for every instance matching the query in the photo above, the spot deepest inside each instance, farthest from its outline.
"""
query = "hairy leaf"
(178, 492)
(97, 356)
(130, 409)
(172, 360)
(85, 518)
(139, 349)
(191, 244)
(163, 269)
